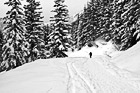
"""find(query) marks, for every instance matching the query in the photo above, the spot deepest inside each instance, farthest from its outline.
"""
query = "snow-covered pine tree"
(94, 22)
(78, 32)
(14, 48)
(126, 22)
(136, 20)
(45, 49)
(1, 38)
(1, 44)
(116, 21)
(88, 27)
(74, 29)
(131, 21)
(47, 31)
(60, 35)
(90, 22)
(105, 14)
(83, 29)
(34, 34)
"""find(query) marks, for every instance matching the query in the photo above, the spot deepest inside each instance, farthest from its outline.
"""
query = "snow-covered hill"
(129, 60)
(100, 74)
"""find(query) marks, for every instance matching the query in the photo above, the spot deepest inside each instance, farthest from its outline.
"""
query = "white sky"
(74, 7)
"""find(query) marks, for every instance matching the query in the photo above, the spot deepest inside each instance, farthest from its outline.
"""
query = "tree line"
(116, 20)
(24, 39)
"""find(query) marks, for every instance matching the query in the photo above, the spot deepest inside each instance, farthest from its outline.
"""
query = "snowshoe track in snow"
(68, 75)
(76, 80)
(97, 76)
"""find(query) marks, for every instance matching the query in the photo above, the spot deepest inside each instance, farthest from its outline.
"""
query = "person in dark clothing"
(90, 54)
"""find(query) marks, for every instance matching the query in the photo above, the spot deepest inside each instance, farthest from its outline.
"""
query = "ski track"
(97, 75)
(76, 80)
(70, 75)
(131, 78)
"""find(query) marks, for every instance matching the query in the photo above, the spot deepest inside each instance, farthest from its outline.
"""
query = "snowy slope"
(129, 60)
(40, 76)
(69, 75)
(78, 73)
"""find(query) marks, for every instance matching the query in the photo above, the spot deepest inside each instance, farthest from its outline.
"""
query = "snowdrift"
(129, 60)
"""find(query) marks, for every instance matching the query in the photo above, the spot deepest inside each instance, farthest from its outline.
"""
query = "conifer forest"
(25, 38)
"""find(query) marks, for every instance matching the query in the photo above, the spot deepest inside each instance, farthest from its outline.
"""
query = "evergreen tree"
(126, 22)
(45, 49)
(78, 31)
(110, 19)
(14, 48)
(105, 14)
(47, 32)
(74, 30)
(131, 23)
(1, 38)
(94, 22)
(87, 24)
(34, 33)
(90, 23)
(1, 44)
(59, 36)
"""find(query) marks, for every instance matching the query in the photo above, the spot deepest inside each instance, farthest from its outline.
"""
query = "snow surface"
(99, 74)
(129, 60)
(107, 49)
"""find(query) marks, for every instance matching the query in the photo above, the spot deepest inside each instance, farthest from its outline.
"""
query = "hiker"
(90, 54)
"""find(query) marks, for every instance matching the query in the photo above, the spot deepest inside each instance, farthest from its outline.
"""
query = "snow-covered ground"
(107, 49)
(99, 74)
(129, 60)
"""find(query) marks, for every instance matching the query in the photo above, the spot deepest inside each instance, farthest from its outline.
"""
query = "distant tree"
(14, 48)
(74, 30)
(34, 34)
(78, 32)
(60, 35)
(95, 21)
(116, 20)
(89, 23)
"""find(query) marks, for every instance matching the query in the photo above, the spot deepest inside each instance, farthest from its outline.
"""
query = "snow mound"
(68, 75)
(129, 60)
